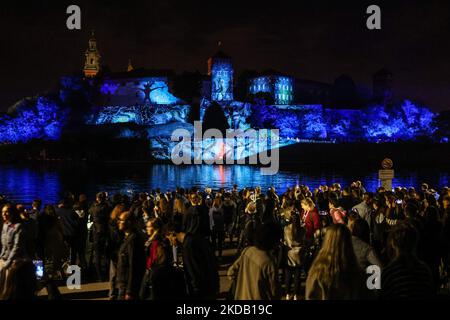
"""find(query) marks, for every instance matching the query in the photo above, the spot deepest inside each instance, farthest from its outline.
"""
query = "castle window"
(92, 61)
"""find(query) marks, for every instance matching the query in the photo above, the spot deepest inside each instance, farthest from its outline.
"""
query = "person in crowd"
(115, 239)
(365, 254)
(30, 231)
(131, 260)
(335, 273)
(229, 208)
(71, 229)
(36, 207)
(153, 243)
(365, 209)
(379, 224)
(347, 202)
(197, 218)
(432, 240)
(167, 282)
(51, 249)
(254, 273)
(337, 213)
(100, 213)
(310, 219)
(270, 206)
(293, 242)
(179, 210)
(17, 277)
(445, 217)
(406, 276)
(251, 222)
(394, 209)
(200, 266)
(218, 226)
(82, 215)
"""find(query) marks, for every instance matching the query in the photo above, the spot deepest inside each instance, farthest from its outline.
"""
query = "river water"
(23, 183)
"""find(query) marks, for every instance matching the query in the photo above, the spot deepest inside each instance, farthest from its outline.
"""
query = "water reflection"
(24, 183)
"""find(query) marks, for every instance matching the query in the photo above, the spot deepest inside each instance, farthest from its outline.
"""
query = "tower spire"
(130, 66)
(92, 62)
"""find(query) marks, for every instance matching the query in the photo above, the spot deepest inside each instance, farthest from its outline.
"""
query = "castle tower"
(130, 66)
(220, 68)
(92, 63)
(382, 86)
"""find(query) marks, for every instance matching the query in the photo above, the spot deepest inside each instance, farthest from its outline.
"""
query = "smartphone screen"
(39, 265)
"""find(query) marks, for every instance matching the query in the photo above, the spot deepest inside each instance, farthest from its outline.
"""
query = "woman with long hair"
(293, 241)
(310, 218)
(17, 278)
(178, 211)
(335, 273)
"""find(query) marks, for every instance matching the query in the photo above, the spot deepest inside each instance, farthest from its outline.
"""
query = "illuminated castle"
(303, 110)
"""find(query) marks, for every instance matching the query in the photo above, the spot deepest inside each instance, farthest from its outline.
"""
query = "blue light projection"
(405, 122)
(260, 84)
(280, 88)
(156, 92)
(283, 90)
(40, 118)
(222, 80)
(141, 115)
(145, 91)
(373, 124)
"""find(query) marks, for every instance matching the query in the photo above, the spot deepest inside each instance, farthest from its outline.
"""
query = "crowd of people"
(302, 244)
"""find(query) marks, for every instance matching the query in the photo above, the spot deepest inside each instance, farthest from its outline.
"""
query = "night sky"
(317, 40)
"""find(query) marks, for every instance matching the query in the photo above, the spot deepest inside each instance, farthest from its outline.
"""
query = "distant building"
(92, 62)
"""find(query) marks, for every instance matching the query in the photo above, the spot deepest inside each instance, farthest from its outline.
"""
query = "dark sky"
(317, 40)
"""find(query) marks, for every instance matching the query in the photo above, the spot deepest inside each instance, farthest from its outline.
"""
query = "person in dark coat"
(162, 281)
(71, 229)
(51, 249)
(131, 259)
(200, 266)
(166, 281)
(100, 212)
